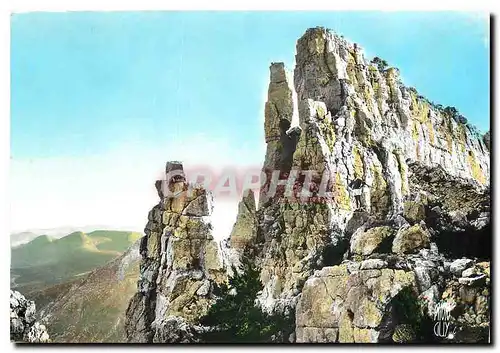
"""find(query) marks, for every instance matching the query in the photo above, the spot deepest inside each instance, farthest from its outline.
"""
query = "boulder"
(352, 305)
(459, 265)
(414, 211)
(410, 240)
(365, 242)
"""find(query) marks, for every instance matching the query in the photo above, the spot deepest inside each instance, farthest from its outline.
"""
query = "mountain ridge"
(19, 237)
(46, 260)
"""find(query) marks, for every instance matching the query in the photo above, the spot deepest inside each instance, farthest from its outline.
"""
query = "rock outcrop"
(349, 304)
(375, 200)
(180, 264)
(243, 235)
(279, 110)
(426, 177)
(245, 228)
(23, 325)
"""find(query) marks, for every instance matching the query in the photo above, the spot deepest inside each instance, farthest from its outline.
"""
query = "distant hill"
(23, 237)
(46, 261)
(17, 239)
(91, 308)
(113, 240)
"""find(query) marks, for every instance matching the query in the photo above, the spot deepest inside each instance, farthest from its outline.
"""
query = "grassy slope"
(46, 261)
(113, 240)
(91, 309)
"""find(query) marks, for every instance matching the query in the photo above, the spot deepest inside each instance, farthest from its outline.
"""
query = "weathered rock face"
(426, 181)
(453, 202)
(245, 229)
(468, 296)
(243, 235)
(487, 140)
(357, 122)
(378, 125)
(180, 264)
(349, 305)
(23, 324)
(357, 301)
(410, 239)
(413, 232)
(279, 111)
(366, 242)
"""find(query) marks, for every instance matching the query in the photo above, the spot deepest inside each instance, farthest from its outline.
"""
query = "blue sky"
(83, 81)
(88, 85)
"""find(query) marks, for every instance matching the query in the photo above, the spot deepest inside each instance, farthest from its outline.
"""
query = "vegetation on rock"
(414, 325)
(235, 317)
(381, 63)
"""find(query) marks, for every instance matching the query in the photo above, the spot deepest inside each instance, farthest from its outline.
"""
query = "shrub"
(438, 107)
(409, 309)
(451, 111)
(462, 119)
(235, 317)
(380, 63)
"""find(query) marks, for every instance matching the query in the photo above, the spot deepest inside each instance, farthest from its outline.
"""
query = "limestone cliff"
(180, 264)
(353, 263)
(358, 122)
(426, 173)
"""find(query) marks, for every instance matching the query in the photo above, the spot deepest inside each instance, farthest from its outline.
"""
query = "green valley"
(46, 261)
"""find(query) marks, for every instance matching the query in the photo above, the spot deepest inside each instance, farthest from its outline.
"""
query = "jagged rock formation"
(427, 185)
(279, 111)
(180, 264)
(23, 324)
(245, 228)
(487, 140)
(243, 234)
(343, 258)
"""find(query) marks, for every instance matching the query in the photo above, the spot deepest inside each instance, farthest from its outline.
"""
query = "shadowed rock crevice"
(288, 140)
(333, 254)
(470, 243)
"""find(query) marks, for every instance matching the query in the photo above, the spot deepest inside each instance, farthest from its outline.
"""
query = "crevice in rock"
(289, 144)
(333, 254)
(470, 243)
(143, 248)
(387, 324)
(385, 247)
(150, 314)
(380, 153)
(406, 310)
(350, 315)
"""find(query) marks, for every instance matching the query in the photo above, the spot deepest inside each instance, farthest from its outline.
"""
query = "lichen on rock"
(410, 239)
(352, 303)
(341, 263)
(366, 242)
(179, 267)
